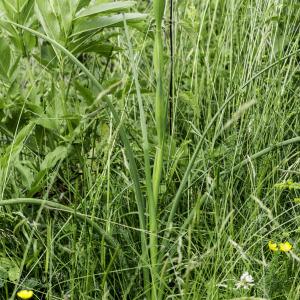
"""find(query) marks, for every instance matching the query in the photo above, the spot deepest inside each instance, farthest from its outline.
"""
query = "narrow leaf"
(5, 58)
(53, 157)
(105, 8)
(104, 49)
(48, 19)
(12, 152)
(98, 22)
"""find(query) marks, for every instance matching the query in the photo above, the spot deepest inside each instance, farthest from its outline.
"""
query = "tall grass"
(100, 200)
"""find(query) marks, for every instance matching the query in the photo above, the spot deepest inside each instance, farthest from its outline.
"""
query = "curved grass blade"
(98, 22)
(105, 8)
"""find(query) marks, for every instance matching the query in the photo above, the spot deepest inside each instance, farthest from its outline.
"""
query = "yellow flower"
(25, 294)
(273, 246)
(285, 247)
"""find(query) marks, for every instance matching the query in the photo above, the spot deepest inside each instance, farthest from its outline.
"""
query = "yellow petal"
(25, 294)
(285, 247)
(272, 246)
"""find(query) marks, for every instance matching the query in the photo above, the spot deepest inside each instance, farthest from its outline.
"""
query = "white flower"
(245, 282)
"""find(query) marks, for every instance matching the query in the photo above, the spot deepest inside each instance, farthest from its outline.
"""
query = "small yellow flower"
(25, 294)
(273, 246)
(285, 247)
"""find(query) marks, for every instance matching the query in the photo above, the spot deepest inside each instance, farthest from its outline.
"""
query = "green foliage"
(117, 182)
(105, 8)
(97, 23)
(9, 270)
(5, 59)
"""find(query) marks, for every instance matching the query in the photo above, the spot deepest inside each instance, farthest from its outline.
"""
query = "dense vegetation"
(150, 150)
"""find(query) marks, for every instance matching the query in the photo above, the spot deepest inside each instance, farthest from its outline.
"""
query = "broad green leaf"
(14, 273)
(2, 281)
(5, 58)
(9, 269)
(48, 123)
(6, 263)
(14, 150)
(104, 49)
(37, 184)
(48, 57)
(81, 41)
(82, 3)
(3, 276)
(84, 92)
(48, 20)
(29, 42)
(106, 8)
(49, 162)
(25, 172)
(14, 67)
(53, 157)
(27, 11)
(23, 134)
(65, 10)
(10, 8)
(18, 5)
(98, 22)
(13, 36)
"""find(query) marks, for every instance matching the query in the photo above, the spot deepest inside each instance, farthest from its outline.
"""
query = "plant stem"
(161, 119)
(171, 84)
(146, 147)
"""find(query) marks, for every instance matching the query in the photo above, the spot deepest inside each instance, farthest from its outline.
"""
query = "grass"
(154, 159)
